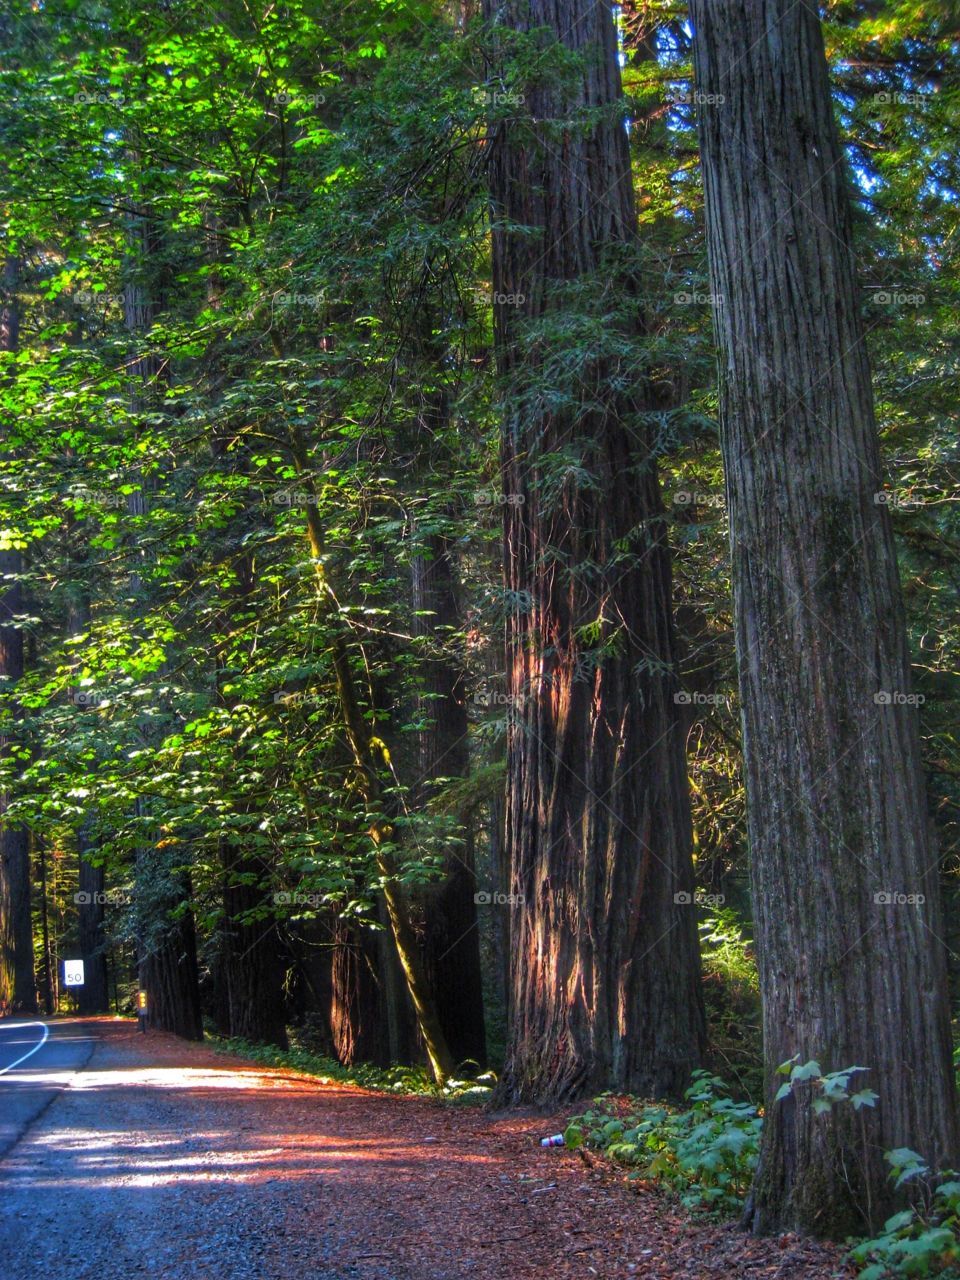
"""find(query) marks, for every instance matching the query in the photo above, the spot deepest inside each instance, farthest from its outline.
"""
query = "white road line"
(30, 1052)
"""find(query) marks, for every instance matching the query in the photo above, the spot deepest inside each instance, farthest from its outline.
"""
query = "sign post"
(142, 1010)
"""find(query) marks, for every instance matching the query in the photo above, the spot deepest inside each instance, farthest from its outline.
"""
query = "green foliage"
(923, 1240)
(396, 1079)
(731, 990)
(706, 1154)
(193, 705)
(830, 1089)
(312, 193)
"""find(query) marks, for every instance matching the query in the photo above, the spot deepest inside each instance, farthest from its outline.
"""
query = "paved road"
(161, 1160)
(37, 1061)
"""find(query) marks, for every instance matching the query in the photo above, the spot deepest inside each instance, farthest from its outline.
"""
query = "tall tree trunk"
(605, 981)
(845, 884)
(251, 961)
(251, 952)
(451, 941)
(93, 996)
(49, 1005)
(358, 1016)
(17, 982)
(168, 967)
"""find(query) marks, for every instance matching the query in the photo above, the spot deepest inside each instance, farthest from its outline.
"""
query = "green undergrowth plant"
(922, 1240)
(706, 1153)
(462, 1090)
(829, 1090)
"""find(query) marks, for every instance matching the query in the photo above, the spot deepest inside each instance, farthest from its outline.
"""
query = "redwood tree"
(605, 970)
(845, 884)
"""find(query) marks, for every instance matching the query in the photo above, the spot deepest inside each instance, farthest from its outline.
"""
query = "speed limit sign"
(73, 973)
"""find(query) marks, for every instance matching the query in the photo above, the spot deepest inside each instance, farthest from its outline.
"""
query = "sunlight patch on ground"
(182, 1078)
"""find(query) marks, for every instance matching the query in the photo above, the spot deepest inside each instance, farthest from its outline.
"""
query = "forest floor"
(166, 1159)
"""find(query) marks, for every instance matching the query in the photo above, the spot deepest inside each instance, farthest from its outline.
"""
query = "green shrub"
(705, 1154)
(920, 1241)
(396, 1079)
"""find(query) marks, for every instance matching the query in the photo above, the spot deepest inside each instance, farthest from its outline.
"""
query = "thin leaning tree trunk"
(367, 762)
(605, 965)
(844, 872)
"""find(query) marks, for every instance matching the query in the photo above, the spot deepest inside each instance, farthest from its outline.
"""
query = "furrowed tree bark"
(358, 1019)
(168, 968)
(605, 965)
(17, 981)
(844, 873)
(250, 951)
(48, 981)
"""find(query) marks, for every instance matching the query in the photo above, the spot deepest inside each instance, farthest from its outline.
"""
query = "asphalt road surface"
(37, 1061)
(126, 1155)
